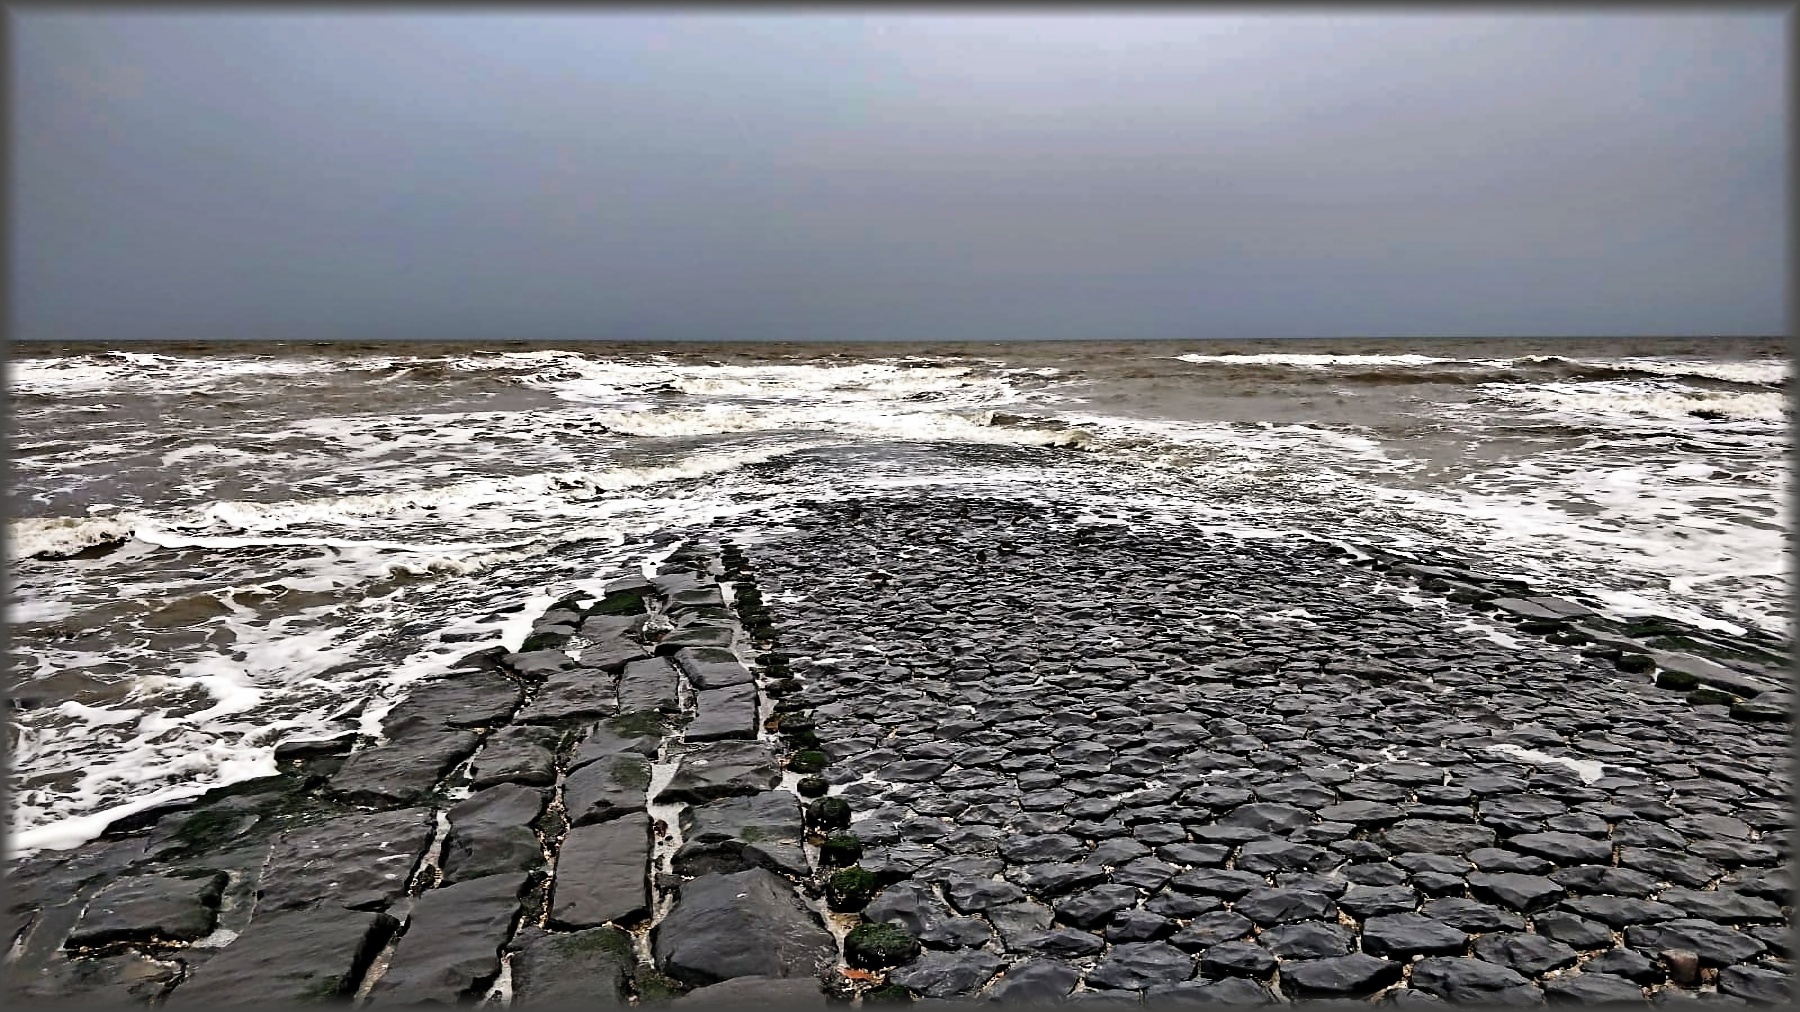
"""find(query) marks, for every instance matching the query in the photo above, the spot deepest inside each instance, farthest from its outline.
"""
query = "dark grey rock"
(1620, 911)
(947, 974)
(1592, 989)
(972, 895)
(151, 908)
(762, 830)
(1599, 879)
(1721, 905)
(1268, 906)
(1497, 859)
(1353, 976)
(1565, 848)
(711, 667)
(722, 769)
(404, 769)
(1362, 901)
(516, 754)
(356, 861)
(574, 694)
(726, 713)
(1529, 954)
(561, 968)
(649, 686)
(289, 956)
(1035, 981)
(1057, 878)
(1517, 892)
(1632, 966)
(1138, 926)
(607, 789)
(537, 665)
(1066, 942)
(1569, 929)
(1715, 944)
(1362, 813)
(1758, 984)
(1138, 965)
(1307, 940)
(1237, 959)
(1268, 817)
(1434, 837)
(1470, 915)
(1402, 936)
(749, 923)
(1210, 929)
(1464, 980)
(1675, 866)
(602, 874)
(461, 699)
(1225, 882)
(451, 949)
(757, 993)
(490, 834)
(604, 742)
(1094, 907)
(128, 979)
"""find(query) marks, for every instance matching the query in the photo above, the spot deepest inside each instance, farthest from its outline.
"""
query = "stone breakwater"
(922, 749)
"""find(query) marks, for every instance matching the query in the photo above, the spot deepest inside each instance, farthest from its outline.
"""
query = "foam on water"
(283, 566)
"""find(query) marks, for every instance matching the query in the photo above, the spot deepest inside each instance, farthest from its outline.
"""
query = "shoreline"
(1050, 781)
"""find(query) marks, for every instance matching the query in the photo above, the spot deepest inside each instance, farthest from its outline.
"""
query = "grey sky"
(884, 174)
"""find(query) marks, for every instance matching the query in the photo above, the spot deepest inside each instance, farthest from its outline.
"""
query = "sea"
(215, 548)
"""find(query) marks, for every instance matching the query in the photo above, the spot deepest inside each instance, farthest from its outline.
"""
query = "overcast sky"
(888, 175)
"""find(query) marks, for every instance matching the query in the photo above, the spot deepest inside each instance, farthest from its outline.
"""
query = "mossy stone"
(850, 890)
(783, 687)
(621, 602)
(874, 946)
(888, 994)
(827, 814)
(840, 850)
(1706, 695)
(808, 761)
(1634, 662)
(813, 787)
(638, 724)
(654, 988)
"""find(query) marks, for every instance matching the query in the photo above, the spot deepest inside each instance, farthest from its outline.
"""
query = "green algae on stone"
(840, 850)
(813, 787)
(638, 724)
(808, 761)
(655, 988)
(827, 814)
(874, 946)
(888, 994)
(851, 889)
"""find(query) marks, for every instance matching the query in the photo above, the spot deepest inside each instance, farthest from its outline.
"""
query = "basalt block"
(747, 924)
(151, 907)
(722, 769)
(288, 957)
(356, 862)
(762, 830)
(602, 874)
(451, 949)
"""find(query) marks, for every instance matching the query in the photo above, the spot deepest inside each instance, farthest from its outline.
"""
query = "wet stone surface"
(1027, 756)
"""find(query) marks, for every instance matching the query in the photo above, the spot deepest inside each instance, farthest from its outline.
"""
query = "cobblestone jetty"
(931, 750)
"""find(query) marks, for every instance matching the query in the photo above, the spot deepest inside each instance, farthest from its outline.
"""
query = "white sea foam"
(1587, 769)
(1637, 401)
(57, 537)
